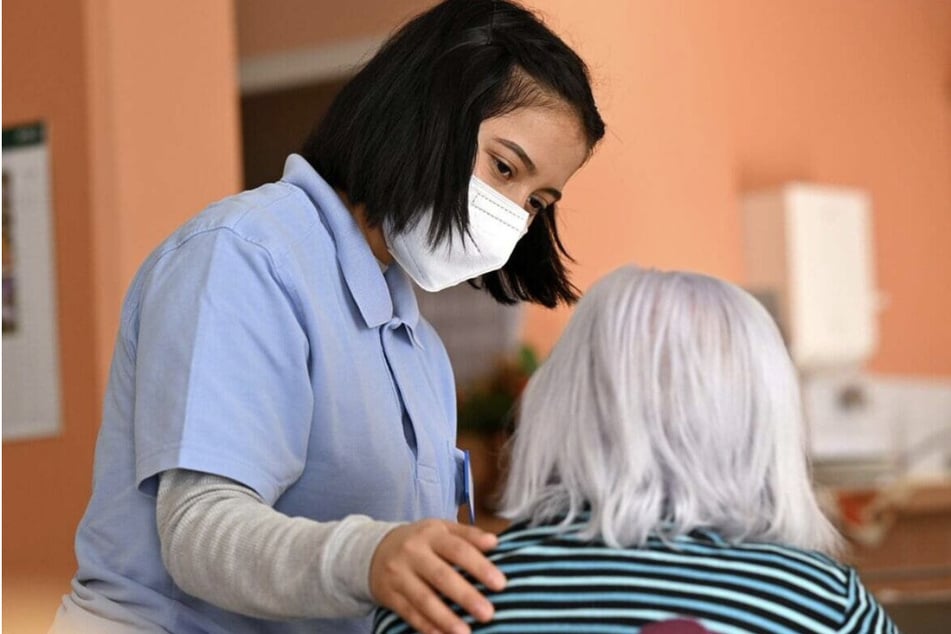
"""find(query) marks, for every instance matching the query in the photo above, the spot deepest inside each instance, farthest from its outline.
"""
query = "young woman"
(658, 473)
(277, 452)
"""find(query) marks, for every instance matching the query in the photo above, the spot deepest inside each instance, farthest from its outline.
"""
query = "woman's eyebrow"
(515, 147)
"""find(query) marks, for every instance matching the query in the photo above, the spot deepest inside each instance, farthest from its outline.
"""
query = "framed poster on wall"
(31, 377)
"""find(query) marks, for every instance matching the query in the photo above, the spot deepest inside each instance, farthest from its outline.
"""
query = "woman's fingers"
(433, 608)
(468, 555)
(403, 606)
(412, 570)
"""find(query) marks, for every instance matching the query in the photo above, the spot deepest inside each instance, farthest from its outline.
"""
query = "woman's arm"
(224, 545)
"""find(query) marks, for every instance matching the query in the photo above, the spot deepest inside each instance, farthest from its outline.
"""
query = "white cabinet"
(809, 251)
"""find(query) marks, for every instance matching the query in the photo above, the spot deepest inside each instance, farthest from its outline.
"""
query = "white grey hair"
(670, 403)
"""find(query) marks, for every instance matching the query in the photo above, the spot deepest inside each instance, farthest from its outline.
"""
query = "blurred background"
(800, 148)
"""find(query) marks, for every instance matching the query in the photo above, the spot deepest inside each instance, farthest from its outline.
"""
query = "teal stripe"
(873, 618)
(532, 534)
(819, 568)
(646, 585)
(698, 575)
(773, 557)
(586, 628)
(713, 563)
(678, 606)
(393, 625)
(802, 561)
(715, 557)
(596, 613)
(388, 622)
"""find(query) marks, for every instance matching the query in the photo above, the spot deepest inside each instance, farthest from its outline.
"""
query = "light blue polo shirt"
(262, 342)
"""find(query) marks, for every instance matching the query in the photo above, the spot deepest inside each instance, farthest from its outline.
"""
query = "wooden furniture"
(900, 544)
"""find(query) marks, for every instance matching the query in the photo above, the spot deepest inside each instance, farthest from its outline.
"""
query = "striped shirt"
(558, 582)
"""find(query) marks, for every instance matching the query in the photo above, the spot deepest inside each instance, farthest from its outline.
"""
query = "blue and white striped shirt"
(558, 582)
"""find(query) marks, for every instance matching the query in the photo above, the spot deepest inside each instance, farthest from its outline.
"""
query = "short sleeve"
(864, 615)
(222, 383)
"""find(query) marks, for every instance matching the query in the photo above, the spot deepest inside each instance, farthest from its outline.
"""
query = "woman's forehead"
(551, 136)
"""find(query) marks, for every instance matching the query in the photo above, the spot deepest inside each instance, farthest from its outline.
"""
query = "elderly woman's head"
(670, 403)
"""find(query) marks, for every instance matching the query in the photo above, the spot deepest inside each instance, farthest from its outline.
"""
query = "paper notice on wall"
(31, 377)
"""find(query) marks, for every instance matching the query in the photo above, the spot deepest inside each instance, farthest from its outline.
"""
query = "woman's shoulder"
(274, 220)
(273, 216)
(553, 537)
(769, 562)
(700, 548)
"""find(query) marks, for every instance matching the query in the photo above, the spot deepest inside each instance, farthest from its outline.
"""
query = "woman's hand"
(413, 566)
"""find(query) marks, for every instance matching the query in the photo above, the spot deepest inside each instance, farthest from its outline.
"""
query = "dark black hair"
(402, 135)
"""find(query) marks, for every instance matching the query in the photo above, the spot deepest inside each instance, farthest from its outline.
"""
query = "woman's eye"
(537, 205)
(503, 169)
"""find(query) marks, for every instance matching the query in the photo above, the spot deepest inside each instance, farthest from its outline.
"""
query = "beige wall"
(142, 111)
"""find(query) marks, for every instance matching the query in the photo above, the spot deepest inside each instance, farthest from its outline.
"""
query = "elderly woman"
(658, 473)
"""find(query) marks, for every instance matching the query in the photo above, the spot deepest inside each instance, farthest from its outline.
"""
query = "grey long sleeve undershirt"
(224, 545)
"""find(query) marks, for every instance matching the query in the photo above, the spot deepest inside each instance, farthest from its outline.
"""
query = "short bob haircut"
(669, 404)
(402, 135)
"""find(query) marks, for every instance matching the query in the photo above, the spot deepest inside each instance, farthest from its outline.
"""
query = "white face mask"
(495, 226)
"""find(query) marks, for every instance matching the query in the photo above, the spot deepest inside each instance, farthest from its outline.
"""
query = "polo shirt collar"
(379, 298)
(402, 295)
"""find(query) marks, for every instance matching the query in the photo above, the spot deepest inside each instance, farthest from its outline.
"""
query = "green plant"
(488, 405)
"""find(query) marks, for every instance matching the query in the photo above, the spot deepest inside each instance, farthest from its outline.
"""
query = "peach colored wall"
(164, 125)
(143, 114)
(707, 99)
(46, 482)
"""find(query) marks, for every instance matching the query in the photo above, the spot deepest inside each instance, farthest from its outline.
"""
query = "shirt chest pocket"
(442, 485)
